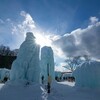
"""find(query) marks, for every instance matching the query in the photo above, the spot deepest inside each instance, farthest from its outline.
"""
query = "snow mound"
(4, 73)
(88, 74)
(26, 66)
(13, 91)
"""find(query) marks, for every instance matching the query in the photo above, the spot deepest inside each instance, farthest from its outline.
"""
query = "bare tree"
(72, 63)
(87, 57)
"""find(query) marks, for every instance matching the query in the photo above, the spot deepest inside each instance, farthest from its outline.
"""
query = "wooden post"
(48, 69)
(48, 83)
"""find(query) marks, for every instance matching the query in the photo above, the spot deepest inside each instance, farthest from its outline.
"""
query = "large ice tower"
(47, 63)
(26, 66)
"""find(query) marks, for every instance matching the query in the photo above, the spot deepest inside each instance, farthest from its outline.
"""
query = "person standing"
(42, 79)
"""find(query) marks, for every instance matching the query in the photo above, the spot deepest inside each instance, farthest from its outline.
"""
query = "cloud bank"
(81, 41)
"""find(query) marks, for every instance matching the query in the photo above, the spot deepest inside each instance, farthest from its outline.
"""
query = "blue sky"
(71, 27)
(59, 16)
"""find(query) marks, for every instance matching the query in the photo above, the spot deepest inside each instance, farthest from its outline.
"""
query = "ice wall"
(88, 74)
(47, 62)
(26, 66)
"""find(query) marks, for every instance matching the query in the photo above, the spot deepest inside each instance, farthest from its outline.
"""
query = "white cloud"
(93, 20)
(28, 20)
(81, 41)
(20, 28)
(8, 19)
(1, 21)
(27, 24)
(5, 32)
(13, 33)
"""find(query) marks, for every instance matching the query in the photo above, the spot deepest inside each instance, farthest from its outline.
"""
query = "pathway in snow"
(67, 91)
(59, 91)
(44, 94)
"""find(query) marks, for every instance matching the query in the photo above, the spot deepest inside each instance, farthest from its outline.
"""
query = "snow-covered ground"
(59, 91)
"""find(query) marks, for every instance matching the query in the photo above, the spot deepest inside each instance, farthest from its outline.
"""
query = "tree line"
(6, 51)
(7, 56)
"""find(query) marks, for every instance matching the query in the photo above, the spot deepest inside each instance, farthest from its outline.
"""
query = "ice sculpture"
(26, 66)
(47, 63)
